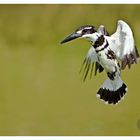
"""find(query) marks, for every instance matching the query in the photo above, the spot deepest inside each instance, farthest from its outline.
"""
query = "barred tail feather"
(112, 91)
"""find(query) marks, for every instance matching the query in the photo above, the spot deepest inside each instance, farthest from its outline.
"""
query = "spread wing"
(124, 47)
(88, 64)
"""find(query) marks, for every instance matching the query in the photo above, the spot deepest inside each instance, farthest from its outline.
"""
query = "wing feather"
(124, 47)
(88, 64)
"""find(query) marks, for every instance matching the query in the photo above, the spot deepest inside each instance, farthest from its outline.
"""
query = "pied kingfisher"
(107, 52)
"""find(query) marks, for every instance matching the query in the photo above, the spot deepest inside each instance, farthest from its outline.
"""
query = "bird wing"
(88, 64)
(102, 30)
(124, 47)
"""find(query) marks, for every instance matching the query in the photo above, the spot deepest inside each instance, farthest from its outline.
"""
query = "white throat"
(92, 37)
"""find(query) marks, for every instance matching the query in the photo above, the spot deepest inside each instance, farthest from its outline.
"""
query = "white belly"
(108, 64)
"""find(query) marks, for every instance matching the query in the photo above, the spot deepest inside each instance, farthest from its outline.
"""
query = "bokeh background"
(41, 91)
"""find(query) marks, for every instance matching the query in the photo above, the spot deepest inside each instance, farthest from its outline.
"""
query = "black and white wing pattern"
(124, 47)
(88, 64)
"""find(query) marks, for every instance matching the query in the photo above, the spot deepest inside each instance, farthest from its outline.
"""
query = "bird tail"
(112, 91)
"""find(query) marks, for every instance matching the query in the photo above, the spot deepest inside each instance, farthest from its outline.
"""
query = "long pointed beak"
(71, 37)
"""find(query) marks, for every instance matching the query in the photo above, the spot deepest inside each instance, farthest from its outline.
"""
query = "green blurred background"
(41, 91)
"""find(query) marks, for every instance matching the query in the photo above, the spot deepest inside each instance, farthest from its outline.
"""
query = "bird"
(110, 53)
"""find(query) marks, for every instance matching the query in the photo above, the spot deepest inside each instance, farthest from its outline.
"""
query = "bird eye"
(84, 31)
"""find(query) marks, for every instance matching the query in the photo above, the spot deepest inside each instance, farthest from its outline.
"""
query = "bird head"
(85, 31)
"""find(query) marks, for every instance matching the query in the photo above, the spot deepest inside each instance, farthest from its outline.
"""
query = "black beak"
(71, 37)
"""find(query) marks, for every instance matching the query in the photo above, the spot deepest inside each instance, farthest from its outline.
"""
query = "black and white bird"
(111, 53)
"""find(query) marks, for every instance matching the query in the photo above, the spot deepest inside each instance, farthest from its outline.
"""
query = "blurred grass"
(40, 89)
